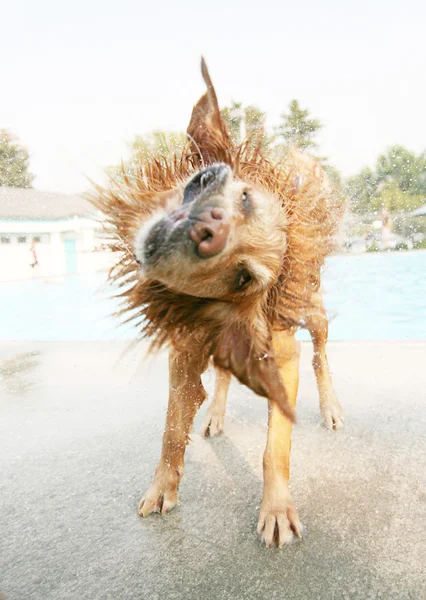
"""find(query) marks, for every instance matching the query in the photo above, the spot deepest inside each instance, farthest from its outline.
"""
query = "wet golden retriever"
(220, 251)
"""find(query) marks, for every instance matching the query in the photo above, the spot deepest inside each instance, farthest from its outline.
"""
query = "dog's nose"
(210, 232)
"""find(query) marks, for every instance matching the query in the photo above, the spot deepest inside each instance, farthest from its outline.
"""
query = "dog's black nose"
(206, 181)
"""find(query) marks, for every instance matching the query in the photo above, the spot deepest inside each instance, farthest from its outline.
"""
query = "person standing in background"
(33, 254)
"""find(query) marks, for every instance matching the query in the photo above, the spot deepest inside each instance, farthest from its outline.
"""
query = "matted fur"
(313, 211)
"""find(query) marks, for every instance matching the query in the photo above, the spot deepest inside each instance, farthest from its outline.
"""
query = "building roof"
(29, 204)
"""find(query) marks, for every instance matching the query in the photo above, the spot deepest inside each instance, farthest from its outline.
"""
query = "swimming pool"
(369, 296)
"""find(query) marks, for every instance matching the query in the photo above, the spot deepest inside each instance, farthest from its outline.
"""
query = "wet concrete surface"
(80, 435)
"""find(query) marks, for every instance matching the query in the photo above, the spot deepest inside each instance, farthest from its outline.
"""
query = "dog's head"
(215, 236)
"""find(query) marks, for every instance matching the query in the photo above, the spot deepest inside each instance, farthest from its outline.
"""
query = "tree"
(297, 129)
(333, 174)
(233, 116)
(14, 162)
(394, 199)
(399, 165)
(398, 183)
(245, 122)
(144, 147)
(157, 142)
(360, 191)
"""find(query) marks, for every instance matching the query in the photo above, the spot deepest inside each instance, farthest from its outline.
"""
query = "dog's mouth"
(201, 224)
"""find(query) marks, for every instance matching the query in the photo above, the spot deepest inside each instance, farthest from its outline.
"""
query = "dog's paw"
(162, 494)
(278, 522)
(332, 413)
(213, 423)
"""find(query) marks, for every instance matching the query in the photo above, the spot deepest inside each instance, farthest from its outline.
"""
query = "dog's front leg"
(278, 519)
(215, 418)
(331, 411)
(186, 394)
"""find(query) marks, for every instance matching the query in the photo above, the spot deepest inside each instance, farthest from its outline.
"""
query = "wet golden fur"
(312, 214)
(250, 333)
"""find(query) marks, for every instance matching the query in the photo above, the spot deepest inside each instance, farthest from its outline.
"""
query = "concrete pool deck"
(80, 435)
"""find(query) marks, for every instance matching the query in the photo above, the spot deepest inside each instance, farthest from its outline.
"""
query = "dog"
(219, 256)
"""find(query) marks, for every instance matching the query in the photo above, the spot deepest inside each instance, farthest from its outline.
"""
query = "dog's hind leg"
(215, 417)
(186, 394)
(278, 519)
(331, 411)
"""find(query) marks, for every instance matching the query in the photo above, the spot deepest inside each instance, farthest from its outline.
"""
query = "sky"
(79, 80)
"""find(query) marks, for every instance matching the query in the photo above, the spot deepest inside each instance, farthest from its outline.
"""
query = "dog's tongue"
(260, 373)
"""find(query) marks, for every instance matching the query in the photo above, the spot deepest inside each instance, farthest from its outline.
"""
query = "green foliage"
(361, 189)
(246, 122)
(398, 183)
(14, 162)
(297, 129)
(144, 147)
(233, 115)
(401, 246)
(394, 199)
(333, 174)
(409, 227)
(402, 167)
(157, 142)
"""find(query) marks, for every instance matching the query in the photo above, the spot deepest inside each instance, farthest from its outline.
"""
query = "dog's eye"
(245, 198)
(243, 279)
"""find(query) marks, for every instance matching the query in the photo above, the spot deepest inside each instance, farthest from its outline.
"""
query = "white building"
(63, 228)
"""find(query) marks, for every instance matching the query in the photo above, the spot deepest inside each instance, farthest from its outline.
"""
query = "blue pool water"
(369, 296)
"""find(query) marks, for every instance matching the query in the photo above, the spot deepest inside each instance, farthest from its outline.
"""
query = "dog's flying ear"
(207, 133)
(235, 352)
